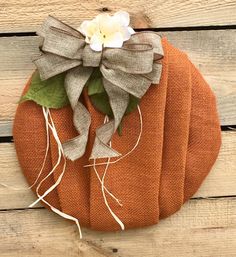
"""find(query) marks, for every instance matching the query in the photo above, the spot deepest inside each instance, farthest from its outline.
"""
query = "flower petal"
(122, 17)
(87, 40)
(103, 20)
(131, 31)
(88, 28)
(83, 27)
(93, 27)
(96, 42)
(114, 40)
(125, 33)
(107, 25)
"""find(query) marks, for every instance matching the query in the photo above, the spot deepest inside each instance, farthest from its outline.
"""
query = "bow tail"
(119, 100)
(101, 149)
(74, 83)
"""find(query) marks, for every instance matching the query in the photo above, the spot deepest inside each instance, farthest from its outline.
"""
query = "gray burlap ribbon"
(127, 70)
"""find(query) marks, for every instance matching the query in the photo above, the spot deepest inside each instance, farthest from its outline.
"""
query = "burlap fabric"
(180, 143)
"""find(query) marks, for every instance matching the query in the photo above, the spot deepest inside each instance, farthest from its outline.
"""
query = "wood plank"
(14, 192)
(218, 67)
(27, 15)
(220, 182)
(211, 224)
(214, 54)
(5, 128)
(227, 109)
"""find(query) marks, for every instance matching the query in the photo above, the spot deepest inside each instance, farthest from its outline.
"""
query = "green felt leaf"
(49, 93)
(119, 129)
(133, 102)
(101, 103)
(94, 84)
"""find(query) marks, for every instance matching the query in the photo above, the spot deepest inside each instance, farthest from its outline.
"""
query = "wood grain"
(213, 52)
(27, 15)
(202, 228)
(220, 182)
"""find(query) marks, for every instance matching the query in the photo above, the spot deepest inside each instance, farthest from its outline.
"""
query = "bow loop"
(51, 21)
(62, 43)
(148, 37)
(50, 65)
(132, 58)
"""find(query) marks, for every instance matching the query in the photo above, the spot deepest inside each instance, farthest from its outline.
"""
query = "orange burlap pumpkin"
(180, 143)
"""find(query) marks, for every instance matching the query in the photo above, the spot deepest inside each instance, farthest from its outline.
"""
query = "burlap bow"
(127, 70)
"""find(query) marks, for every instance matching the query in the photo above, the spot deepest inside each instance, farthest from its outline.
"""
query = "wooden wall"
(206, 225)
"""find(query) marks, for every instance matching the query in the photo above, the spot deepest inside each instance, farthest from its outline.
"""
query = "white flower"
(107, 31)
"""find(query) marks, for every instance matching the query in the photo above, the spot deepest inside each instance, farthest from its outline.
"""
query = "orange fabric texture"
(180, 143)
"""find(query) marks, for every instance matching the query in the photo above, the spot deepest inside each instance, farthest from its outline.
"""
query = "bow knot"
(91, 58)
(127, 70)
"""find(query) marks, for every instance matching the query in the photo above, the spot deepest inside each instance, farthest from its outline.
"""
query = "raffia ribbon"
(127, 70)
